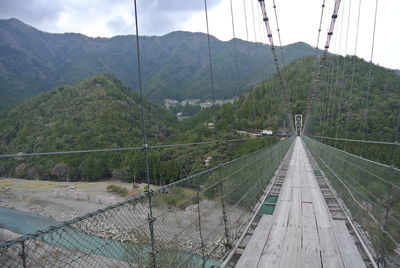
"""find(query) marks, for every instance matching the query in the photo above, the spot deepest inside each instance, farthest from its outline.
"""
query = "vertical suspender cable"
(353, 71)
(234, 39)
(275, 58)
(369, 76)
(396, 139)
(255, 40)
(235, 57)
(145, 147)
(343, 71)
(318, 66)
(209, 54)
(279, 34)
(338, 86)
(324, 56)
(247, 30)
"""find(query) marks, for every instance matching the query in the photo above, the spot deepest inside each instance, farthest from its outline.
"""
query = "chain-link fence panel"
(190, 223)
(370, 190)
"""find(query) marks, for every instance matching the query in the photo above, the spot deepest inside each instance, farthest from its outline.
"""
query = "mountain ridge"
(174, 65)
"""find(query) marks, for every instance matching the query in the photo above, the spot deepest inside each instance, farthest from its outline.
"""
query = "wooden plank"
(286, 190)
(273, 248)
(328, 245)
(252, 253)
(305, 189)
(296, 179)
(301, 233)
(292, 246)
(350, 254)
(310, 250)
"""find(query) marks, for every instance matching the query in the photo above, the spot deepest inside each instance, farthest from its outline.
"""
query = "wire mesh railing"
(371, 191)
(194, 222)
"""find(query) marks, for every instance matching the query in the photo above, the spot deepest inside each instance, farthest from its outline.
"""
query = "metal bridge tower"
(298, 121)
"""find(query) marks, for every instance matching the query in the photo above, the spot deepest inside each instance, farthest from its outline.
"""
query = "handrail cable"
(355, 140)
(143, 147)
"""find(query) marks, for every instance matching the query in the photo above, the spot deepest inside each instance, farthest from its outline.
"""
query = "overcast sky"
(298, 21)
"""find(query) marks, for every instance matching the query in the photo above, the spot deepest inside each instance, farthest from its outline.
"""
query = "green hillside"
(102, 112)
(263, 106)
(174, 65)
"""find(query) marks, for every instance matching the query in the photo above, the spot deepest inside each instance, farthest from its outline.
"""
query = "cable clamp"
(151, 219)
(145, 147)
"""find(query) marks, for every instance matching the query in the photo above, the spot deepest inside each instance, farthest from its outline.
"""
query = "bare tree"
(61, 171)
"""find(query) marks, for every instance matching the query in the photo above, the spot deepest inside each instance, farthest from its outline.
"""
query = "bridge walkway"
(301, 232)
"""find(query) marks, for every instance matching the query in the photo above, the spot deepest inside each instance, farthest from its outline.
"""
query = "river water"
(23, 222)
(27, 223)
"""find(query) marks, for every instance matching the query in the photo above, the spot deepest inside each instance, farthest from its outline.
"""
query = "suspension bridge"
(300, 202)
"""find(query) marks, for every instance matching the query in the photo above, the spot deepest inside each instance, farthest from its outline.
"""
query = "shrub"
(116, 189)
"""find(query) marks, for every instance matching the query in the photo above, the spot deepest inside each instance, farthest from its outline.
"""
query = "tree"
(60, 170)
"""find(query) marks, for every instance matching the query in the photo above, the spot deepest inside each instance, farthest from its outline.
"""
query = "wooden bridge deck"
(301, 232)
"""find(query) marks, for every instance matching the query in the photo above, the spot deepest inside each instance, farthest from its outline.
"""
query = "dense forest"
(174, 65)
(102, 112)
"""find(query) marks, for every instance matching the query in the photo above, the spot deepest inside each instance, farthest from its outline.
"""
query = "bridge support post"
(388, 207)
(151, 220)
(298, 121)
(200, 231)
(221, 187)
(23, 254)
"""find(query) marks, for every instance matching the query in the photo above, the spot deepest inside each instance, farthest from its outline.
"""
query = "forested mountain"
(174, 65)
(340, 108)
(100, 112)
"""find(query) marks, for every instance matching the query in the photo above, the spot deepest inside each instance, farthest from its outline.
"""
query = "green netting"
(370, 190)
(194, 222)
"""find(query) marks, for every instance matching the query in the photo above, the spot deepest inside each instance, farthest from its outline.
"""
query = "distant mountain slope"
(174, 65)
(99, 112)
(260, 107)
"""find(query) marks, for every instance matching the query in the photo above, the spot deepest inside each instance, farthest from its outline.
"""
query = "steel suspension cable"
(324, 96)
(105, 150)
(396, 139)
(339, 84)
(151, 219)
(343, 71)
(267, 86)
(275, 58)
(279, 34)
(353, 69)
(209, 55)
(336, 83)
(255, 40)
(369, 75)
(234, 38)
(318, 66)
(235, 55)
(331, 92)
(316, 87)
(247, 30)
